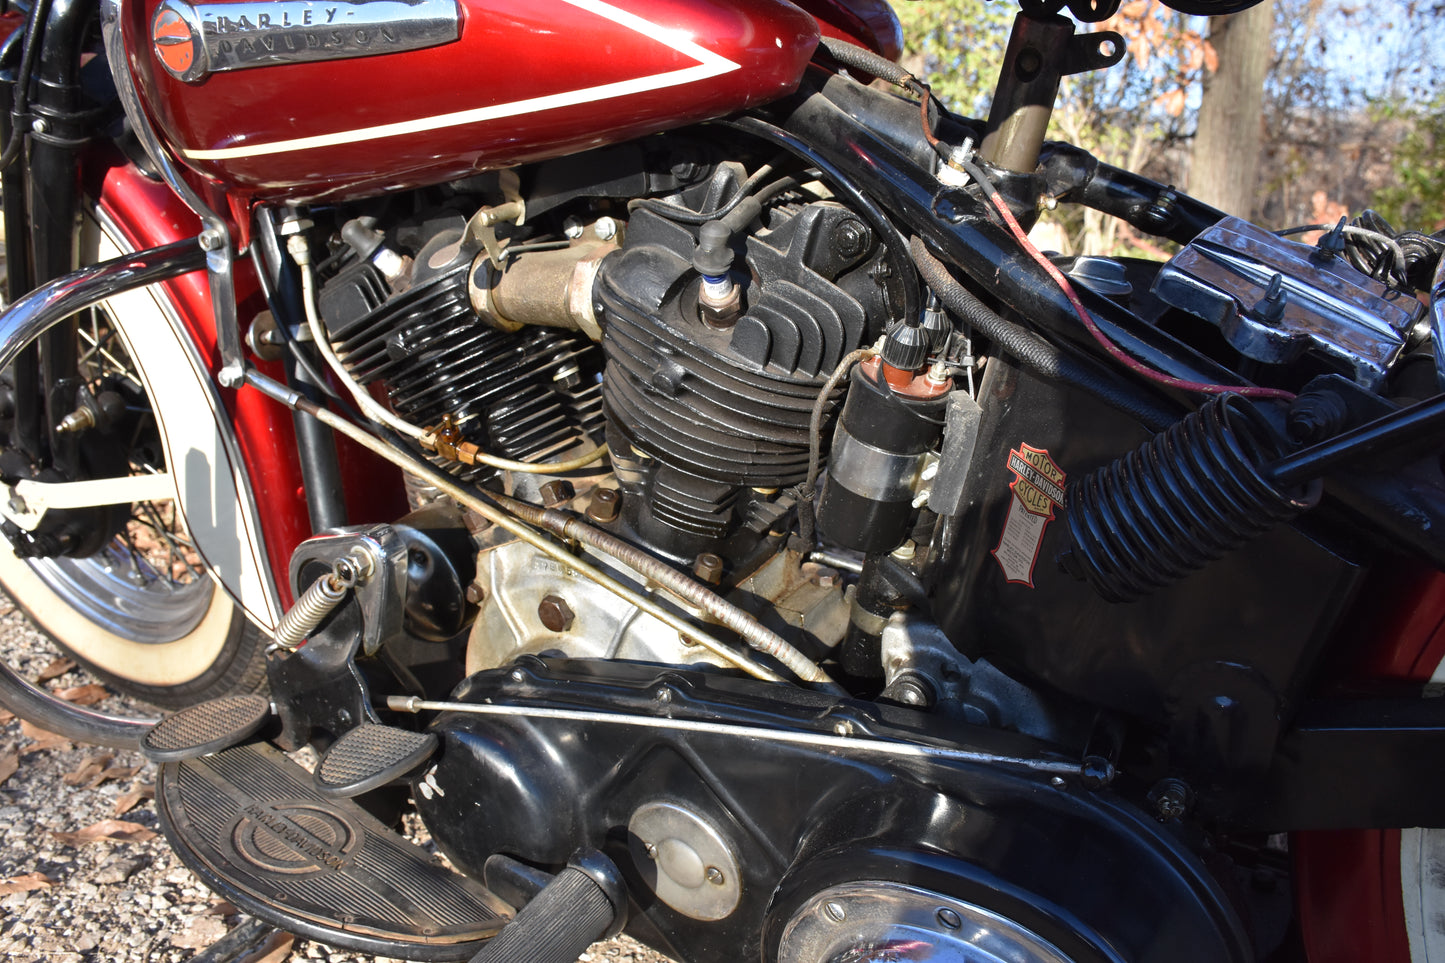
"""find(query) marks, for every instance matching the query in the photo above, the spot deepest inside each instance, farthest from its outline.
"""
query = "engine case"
(781, 821)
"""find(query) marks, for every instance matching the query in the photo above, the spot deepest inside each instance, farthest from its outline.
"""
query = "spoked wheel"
(144, 612)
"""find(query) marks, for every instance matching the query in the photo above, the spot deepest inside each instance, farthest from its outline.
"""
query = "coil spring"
(318, 601)
(1185, 497)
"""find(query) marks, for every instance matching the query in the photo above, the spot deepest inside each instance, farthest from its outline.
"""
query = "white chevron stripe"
(709, 65)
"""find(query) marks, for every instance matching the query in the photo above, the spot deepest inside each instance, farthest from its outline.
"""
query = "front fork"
(41, 194)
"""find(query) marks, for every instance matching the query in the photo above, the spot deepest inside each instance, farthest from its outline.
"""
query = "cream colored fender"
(208, 480)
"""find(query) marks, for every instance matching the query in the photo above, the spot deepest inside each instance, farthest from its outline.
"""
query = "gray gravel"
(118, 902)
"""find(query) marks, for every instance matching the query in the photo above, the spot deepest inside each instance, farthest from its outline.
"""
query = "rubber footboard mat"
(250, 822)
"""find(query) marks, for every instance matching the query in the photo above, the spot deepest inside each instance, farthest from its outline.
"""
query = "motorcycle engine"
(539, 340)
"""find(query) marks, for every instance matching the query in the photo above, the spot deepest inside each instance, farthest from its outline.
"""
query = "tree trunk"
(1224, 167)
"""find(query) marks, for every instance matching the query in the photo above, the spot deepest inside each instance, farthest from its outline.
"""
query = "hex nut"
(555, 613)
(708, 567)
(606, 505)
(557, 493)
(476, 593)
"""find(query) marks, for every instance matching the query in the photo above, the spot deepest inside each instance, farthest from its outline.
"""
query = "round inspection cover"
(685, 860)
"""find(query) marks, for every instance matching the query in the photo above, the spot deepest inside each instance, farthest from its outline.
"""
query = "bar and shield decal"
(1036, 491)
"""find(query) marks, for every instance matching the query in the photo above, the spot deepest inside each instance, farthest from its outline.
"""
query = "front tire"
(170, 640)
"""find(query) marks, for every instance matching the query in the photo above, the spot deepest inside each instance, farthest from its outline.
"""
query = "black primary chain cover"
(1100, 879)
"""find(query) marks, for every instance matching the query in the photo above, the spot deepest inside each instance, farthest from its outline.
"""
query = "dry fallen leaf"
(55, 669)
(88, 769)
(83, 695)
(128, 801)
(24, 884)
(111, 830)
(41, 738)
(96, 770)
(118, 773)
(9, 764)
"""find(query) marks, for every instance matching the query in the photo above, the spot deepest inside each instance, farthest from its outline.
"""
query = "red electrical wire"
(1138, 367)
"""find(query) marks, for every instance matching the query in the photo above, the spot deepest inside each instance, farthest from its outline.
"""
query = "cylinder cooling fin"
(1185, 497)
(707, 419)
(523, 395)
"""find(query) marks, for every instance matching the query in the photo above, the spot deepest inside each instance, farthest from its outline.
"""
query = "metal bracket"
(1091, 51)
(381, 595)
(215, 236)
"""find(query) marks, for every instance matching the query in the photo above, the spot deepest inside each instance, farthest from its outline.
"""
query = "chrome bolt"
(835, 911)
(949, 919)
(714, 875)
(476, 593)
(843, 727)
(519, 675)
(1057, 782)
(606, 228)
(664, 696)
(573, 227)
(77, 421)
(212, 239)
(650, 849)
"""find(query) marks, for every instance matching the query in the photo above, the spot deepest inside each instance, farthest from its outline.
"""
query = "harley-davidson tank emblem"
(194, 40)
(1038, 489)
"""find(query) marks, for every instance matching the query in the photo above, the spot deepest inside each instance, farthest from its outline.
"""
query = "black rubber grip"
(569, 915)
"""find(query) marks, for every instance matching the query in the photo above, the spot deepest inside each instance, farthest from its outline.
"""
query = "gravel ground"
(118, 900)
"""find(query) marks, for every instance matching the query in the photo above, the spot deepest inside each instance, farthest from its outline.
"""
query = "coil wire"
(1187, 496)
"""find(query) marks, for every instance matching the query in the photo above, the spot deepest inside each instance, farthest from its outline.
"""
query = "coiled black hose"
(1032, 352)
(1183, 498)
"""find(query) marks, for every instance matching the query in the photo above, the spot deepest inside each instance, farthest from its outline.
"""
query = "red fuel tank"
(310, 100)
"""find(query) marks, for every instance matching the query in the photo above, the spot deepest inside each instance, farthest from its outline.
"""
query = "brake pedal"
(207, 727)
(370, 756)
